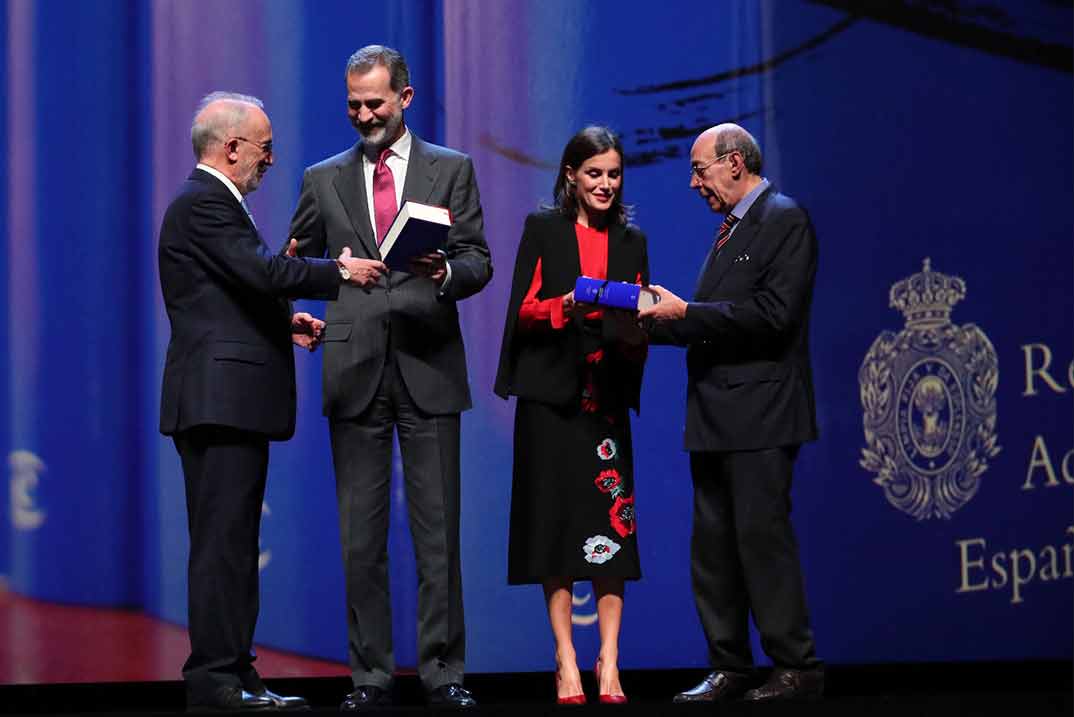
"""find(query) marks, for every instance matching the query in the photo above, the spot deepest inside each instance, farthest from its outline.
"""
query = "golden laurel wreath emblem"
(928, 395)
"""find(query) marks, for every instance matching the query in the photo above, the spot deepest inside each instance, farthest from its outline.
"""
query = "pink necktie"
(384, 208)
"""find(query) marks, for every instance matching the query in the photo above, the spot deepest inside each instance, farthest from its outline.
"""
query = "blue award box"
(616, 294)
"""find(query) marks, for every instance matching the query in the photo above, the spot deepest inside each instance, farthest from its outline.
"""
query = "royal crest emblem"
(928, 395)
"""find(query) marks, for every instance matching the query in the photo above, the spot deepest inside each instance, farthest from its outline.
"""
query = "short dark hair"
(589, 142)
(370, 56)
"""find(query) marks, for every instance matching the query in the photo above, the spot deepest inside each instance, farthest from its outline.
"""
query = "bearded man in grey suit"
(394, 361)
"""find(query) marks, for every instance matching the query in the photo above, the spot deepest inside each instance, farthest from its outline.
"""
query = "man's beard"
(382, 137)
(254, 181)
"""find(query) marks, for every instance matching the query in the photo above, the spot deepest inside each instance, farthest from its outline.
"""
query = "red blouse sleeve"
(534, 312)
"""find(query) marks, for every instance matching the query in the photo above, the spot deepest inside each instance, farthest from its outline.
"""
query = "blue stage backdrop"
(932, 144)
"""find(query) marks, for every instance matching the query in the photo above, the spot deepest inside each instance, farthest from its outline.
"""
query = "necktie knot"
(383, 158)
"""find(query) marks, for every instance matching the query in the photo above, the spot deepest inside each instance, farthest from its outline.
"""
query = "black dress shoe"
(281, 702)
(365, 697)
(232, 699)
(716, 687)
(786, 685)
(450, 695)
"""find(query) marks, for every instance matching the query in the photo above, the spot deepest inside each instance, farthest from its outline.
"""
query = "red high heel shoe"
(607, 699)
(572, 700)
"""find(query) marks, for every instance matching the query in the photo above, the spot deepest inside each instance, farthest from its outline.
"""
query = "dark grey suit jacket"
(402, 311)
(750, 382)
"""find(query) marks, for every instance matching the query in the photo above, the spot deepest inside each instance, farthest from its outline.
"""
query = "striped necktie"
(724, 232)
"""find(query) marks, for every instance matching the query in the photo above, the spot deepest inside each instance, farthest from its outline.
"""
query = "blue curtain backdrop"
(912, 132)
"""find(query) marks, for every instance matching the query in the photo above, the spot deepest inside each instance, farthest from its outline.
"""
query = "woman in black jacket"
(576, 371)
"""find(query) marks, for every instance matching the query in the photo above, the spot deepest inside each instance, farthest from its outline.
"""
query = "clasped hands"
(307, 330)
(365, 273)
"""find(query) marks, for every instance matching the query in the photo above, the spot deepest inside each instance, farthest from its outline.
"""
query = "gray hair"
(732, 138)
(392, 60)
(214, 126)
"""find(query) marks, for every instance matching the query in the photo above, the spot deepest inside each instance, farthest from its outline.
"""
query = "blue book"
(416, 230)
(616, 294)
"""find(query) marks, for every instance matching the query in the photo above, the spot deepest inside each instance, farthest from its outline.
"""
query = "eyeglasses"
(699, 170)
(265, 147)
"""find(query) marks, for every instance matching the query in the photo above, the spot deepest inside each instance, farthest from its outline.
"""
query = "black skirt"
(572, 493)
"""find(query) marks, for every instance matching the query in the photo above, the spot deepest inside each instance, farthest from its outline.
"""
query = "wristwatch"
(343, 272)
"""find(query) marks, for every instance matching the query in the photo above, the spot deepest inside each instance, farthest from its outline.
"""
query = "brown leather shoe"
(716, 687)
(786, 685)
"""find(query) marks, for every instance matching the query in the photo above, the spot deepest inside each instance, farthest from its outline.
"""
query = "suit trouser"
(362, 454)
(224, 471)
(744, 558)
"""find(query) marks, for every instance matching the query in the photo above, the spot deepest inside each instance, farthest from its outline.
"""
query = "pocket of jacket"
(238, 351)
(337, 331)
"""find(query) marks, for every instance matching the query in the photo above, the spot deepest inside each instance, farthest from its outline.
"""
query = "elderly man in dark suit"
(229, 384)
(394, 362)
(749, 406)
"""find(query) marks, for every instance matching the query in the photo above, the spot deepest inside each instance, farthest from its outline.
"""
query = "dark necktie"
(384, 208)
(724, 232)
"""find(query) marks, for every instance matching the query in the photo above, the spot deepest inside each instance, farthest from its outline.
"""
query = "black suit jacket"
(750, 382)
(545, 365)
(230, 360)
(403, 311)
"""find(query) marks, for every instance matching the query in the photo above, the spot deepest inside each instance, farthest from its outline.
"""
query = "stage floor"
(46, 643)
(59, 659)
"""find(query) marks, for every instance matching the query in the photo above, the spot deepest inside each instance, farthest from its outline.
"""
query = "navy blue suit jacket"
(230, 359)
(750, 381)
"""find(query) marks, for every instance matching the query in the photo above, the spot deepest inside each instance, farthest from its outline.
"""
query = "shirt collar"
(747, 201)
(223, 178)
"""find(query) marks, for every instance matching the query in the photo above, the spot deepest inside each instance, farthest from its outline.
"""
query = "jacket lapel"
(200, 175)
(421, 172)
(740, 240)
(350, 186)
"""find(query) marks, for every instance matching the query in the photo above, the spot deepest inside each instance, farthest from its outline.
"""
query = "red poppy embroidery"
(608, 480)
(595, 357)
(606, 449)
(622, 515)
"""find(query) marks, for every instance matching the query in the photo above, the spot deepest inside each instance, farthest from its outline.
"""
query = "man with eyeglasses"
(749, 406)
(394, 365)
(229, 385)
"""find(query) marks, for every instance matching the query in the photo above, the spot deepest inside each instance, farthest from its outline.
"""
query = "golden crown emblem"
(927, 297)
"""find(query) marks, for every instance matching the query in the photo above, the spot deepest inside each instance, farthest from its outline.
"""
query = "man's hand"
(292, 248)
(306, 330)
(669, 308)
(364, 272)
(432, 265)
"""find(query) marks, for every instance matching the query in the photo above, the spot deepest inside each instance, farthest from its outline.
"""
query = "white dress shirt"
(398, 161)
